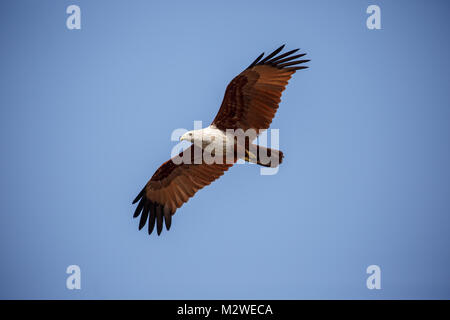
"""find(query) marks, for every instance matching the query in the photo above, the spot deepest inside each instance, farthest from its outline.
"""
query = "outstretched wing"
(251, 99)
(172, 185)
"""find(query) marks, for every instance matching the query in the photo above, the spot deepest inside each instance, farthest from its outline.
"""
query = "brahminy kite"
(250, 103)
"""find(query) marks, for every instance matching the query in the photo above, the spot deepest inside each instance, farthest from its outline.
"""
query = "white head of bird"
(188, 136)
(204, 137)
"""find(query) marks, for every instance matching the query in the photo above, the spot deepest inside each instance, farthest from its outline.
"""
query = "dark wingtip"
(292, 63)
(139, 207)
(168, 220)
(256, 61)
(152, 218)
(152, 212)
(297, 68)
(144, 216)
(159, 218)
(274, 53)
(140, 195)
(281, 61)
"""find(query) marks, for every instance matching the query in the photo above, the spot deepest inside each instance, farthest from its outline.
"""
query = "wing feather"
(252, 98)
(250, 102)
(170, 187)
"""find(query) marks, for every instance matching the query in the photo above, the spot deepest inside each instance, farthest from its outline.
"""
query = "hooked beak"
(182, 138)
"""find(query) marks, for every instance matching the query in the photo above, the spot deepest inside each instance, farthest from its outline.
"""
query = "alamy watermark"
(374, 280)
(212, 145)
(73, 281)
(373, 22)
(74, 20)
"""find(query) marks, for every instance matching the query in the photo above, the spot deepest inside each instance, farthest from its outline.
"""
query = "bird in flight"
(249, 105)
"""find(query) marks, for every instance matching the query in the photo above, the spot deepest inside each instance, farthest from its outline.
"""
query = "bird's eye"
(190, 134)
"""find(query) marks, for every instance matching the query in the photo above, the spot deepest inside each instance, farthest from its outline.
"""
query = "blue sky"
(86, 117)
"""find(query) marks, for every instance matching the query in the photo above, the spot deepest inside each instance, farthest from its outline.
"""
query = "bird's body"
(209, 136)
(249, 105)
(217, 142)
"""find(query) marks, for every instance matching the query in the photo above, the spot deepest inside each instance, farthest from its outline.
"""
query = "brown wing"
(251, 99)
(172, 185)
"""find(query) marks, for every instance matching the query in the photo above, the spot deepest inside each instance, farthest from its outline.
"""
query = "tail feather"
(263, 156)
